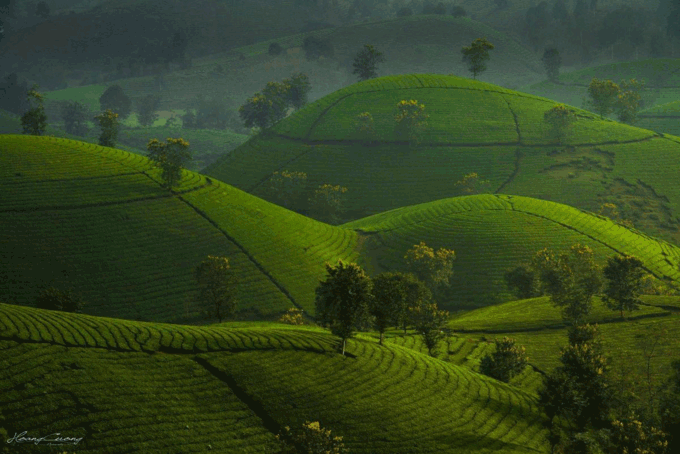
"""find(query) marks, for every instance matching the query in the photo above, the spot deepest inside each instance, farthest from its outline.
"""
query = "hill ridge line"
(16, 183)
(278, 285)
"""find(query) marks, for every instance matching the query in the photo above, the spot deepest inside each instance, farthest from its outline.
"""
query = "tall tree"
(476, 55)
(75, 117)
(343, 300)
(624, 283)
(34, 121)
(560, 118)
(171, 157)
(146, 110)
(298, 90)
(552, 62)
(114, 98)
(217, 286)
(108, 123)
(365, 62)
(628, 100)
(603, 95)
(433, 268)
(430, 322)
(505, 362)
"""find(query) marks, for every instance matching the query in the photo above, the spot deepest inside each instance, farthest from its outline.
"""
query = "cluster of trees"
(349, 300)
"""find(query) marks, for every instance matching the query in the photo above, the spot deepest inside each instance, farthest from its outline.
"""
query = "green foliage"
(293, 316)
(259, 111)
(288, 188)
(146, 110)
(552, 60)
(343, 300)
(75, 117)
(55, 299)
(523, 282)
(365, 62)
(433, 268)
(476, 55)
(410, 119)
(170, 157)
(108, 123)
(624, 283)
(570, 279)
(430, 322)
(115, 99)
(34, 121)
(603, 96)
(298, 87)
(472, 184)
(628, 100)
(310, 439)
(365, 126)
(630, 435)
(327, 202)
(217, 287)
(559, 117)
(506, 361)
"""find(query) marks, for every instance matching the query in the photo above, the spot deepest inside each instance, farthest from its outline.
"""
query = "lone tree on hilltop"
(560, 118)
(34, 121)
(114, 98)
(628, 100)
(310, 439)
(171, 157)
(624, 283)
(75, 117)
(217, 286)
(603, 96)
(476, 55)
(505, 362)
(298, 89)
(343, 300)
(56, 299)
(433, 268)
(365, 62)
(411, 120)
(108, 122)
(552, 60)
(146, 110)
(571, 279)
(431, 323)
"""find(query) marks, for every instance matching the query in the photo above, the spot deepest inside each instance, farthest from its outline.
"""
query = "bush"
(275, 49)
(293, 316)
(507, 361)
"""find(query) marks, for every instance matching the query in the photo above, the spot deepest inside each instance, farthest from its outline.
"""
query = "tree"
(75, 116)
(570, 279)
(310, 439)
(628, 100)
(170, 157)
(288, 188)
(327, 202)
(42, 9)
(266, 108)
(365, 126)
(603, 95)
(630, 435)
(523, 282)
(56, 299)
(108, 122)
(560, 118)
(472, 183)
(216, 286)
(343, 300)
(624, 283)
(275, 49)
(458, 11)
(298, 87)
(293, 316)
(476, 55)
(552, 60)
(211, 112)
(505, 362)
(394, 294)
(365, 62)
(410, 119)
(34, 121)
(116, 100)
(257, 112)
(670, 408)
(146, 110)
(430, 322)
(433, 268)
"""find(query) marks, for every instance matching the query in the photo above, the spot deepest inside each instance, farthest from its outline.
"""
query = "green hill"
(98, 219)
(492, 234)
(473, 127)
(230, 388)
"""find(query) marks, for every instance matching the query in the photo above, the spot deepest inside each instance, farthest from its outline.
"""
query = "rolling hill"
(171, 389)
(473, 127)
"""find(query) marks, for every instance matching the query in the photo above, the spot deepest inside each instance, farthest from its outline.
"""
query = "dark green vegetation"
(233, 386)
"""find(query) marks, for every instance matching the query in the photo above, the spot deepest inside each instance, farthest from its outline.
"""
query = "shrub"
(507, 361)
(293, 316)
(365, 126)
(310, 439)
(410, 119)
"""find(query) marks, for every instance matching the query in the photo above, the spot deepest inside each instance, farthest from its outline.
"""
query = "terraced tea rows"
(492, 234)
(97, 219)
(381, 399)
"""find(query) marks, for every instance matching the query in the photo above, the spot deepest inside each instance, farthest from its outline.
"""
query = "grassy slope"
(98, 219)
(195, 387)
(496, 132)
(493, 233)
